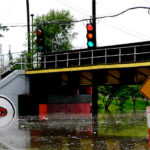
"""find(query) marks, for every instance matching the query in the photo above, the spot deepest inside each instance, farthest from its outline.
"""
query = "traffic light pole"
(94, 19)
(95, 88)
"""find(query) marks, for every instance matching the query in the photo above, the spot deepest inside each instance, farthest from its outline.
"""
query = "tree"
(134, 93)
(19, 62)
(3, 28)
(123, 95)
(10, 57)
(57, 27)
(107, 93)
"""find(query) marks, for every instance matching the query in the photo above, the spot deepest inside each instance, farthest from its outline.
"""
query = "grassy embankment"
(128, 105)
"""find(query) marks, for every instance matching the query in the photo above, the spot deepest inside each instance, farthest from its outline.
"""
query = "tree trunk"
(146, 102)
(108, 102)
(121, 103)
(106, 108)
(116, 102)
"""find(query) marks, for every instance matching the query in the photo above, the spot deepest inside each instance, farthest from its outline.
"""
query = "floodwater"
(117, 131)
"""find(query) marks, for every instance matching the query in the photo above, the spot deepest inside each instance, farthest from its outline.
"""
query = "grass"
(128, 105)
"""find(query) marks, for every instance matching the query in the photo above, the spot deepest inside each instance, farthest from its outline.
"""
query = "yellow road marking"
(111, 66)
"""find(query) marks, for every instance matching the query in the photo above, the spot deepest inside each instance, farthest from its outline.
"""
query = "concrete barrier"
(13, 85)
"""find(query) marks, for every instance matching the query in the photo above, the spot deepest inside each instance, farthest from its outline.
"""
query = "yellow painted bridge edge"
(110, 66)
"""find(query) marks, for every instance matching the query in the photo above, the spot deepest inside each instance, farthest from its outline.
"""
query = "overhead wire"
(124, 11)
(64, 21)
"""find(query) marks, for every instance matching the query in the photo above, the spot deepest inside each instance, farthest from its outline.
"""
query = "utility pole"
(28, 26)
(32, 15)
(95, 88)
(94, 19)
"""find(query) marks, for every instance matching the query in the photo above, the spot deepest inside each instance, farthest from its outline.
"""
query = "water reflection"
(124, 131)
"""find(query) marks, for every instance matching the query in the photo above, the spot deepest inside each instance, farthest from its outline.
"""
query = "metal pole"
(28, 27)
(25, 60)
(32, 15)
(94, 19)
(94, 99)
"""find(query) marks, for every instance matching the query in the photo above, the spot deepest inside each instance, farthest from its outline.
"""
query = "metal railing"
(16, 62)
(106, 55)
(127, 54)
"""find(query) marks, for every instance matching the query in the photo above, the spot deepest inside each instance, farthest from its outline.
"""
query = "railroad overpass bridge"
(73, 77)
(67, 81)
(117, 64)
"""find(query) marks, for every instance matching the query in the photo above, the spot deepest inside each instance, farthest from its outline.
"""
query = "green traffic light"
(39, 48)
(90, 44)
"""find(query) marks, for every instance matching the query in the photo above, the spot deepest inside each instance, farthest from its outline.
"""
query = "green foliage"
(19, 62)
(122, 94)
(57, 27)
(3, 28)
(10, 58)
(107, 94)
(125, 97)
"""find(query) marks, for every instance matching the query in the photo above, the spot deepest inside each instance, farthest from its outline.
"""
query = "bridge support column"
(94, 100)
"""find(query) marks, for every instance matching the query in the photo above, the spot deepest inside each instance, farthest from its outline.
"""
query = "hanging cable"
(64, 21)
(118, 14)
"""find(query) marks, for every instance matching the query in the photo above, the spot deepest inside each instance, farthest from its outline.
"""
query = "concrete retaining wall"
(13, 85)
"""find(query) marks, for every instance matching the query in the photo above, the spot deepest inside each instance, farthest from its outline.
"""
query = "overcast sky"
(132, 26)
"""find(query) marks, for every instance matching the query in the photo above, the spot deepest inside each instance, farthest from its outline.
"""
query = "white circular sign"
(7, 112)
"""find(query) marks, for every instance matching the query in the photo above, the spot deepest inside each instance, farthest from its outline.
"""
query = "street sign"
(3, 112)
(145, 89)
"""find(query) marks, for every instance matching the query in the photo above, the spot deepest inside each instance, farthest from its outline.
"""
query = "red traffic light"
(89, 27)
(39, 32)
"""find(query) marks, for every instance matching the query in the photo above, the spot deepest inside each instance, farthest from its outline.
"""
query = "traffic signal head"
(40, 40)
(90, 36)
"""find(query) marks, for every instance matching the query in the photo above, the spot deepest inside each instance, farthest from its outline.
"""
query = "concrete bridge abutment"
(59, 93)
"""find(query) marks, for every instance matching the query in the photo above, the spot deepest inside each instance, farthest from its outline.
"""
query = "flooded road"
(118, 131)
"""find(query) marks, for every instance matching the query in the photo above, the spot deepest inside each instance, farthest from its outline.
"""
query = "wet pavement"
(117, 131)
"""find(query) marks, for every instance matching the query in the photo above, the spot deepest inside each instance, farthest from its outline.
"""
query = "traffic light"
(90, 36)
(40, 40)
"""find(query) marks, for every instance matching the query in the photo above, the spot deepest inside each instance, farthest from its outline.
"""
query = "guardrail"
(108, 55)
(17, 61)
(127, 54)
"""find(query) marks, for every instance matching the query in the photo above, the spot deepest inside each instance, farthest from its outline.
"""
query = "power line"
(118, 14)
(64, 21)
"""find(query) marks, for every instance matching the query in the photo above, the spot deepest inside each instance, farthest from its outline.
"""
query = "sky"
(132, 26)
